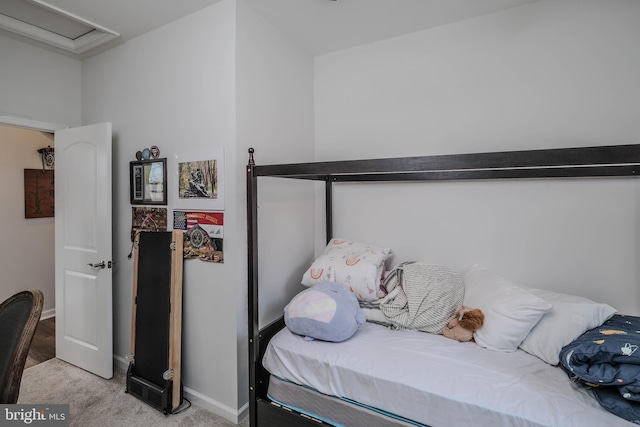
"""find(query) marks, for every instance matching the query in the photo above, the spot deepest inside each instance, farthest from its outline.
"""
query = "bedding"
(317, 405)
(607, 359)
(510, 311)
(357, 266)
(422, 296)
(326, 312)
(435, 381)
(570, 316)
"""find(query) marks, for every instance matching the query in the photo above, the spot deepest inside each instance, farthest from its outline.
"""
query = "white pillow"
(570, 317)
(510, 310)
(357, 266)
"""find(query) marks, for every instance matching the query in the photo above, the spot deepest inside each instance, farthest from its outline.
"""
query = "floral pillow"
(357, 266)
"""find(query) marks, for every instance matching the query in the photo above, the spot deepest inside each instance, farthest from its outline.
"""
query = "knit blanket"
(422, 296)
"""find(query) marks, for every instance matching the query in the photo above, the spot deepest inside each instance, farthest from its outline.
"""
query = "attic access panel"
(48, 24)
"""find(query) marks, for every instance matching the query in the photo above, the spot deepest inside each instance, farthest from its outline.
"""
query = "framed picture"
(198, 180)
(148, 180)
(203, 234)
(39, 197)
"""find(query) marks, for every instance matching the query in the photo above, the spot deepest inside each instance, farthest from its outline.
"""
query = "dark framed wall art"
(39, 193)
(148, 180)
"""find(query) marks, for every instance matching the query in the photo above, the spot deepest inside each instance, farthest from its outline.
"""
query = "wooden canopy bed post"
(600, 161)
(252, 254)
(328, 207)
(259, 338)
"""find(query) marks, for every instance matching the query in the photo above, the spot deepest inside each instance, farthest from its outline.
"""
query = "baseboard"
(243, 412)
(120, 362)
(235, 416)
(47, 314)
(205, 402)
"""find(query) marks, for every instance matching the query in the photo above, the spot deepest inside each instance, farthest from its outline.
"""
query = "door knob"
(97, 265)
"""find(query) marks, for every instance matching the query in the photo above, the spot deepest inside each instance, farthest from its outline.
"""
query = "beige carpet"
(94, 401)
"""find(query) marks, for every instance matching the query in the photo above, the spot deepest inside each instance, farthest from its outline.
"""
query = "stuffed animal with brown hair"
(467, 321)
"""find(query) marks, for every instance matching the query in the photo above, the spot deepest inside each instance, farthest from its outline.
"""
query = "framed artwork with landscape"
(199, 180)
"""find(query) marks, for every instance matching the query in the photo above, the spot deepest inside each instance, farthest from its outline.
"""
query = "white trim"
(47, 314)
(205, 402)
(88, 41)
(233, 415)
(73, 16)
(120, 362)
(30, 124)
(243, 412)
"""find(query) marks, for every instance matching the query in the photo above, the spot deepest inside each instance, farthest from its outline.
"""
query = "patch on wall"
(147, 219)
(39, 192)
(203, 234)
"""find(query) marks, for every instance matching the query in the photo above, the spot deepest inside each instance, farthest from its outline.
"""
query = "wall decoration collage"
(193, 184)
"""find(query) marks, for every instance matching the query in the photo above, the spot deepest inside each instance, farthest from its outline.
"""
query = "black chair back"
(19, 316)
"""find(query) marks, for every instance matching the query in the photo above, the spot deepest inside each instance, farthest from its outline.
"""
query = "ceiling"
(82, 28)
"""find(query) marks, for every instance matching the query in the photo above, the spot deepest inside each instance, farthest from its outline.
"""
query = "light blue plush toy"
(328, 312)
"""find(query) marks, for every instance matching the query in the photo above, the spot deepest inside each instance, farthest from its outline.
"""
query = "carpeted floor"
(94, 401)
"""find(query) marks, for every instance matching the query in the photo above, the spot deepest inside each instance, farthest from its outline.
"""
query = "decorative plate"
(146, 154)
(155, 151)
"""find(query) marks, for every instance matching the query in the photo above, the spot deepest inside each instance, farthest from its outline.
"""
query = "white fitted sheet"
(437, 381)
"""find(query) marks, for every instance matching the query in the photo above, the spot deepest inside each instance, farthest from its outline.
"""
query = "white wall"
(175, 87)
(547, 74)
(275, 117)
(38, 88)
(38, 85)
(27, 260)
(220, 78)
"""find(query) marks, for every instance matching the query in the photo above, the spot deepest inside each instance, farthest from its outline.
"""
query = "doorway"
(28, 259)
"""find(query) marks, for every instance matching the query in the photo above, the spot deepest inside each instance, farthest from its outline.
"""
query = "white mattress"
(437, 381)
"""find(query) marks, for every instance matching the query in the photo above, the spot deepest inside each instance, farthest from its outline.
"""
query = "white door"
(84, 323)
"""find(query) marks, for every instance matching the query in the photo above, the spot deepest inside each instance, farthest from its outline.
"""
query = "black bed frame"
(601, 161)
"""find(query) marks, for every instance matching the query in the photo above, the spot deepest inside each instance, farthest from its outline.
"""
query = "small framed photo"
(148, 180)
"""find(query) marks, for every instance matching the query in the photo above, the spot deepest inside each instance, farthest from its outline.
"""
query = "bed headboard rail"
(615, 160)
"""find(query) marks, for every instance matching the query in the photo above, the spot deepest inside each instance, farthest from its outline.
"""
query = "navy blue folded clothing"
(607, 358)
